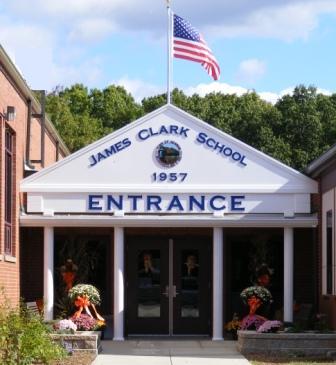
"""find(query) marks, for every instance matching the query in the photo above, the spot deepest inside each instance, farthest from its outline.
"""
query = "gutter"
(321, 163)
(35, 105)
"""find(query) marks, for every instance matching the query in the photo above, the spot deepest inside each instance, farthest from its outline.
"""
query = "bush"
(24, 338)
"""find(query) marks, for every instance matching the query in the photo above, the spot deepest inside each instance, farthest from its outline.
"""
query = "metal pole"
(169, 51)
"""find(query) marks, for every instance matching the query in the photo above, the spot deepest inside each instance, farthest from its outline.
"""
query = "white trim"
(327, 205)
(228, 220)
(209, 188)
(10, 258)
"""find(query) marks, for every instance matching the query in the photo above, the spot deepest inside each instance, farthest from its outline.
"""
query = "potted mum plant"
(254, 297)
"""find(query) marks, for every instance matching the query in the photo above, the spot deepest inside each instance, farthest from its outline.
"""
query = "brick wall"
(11, 95)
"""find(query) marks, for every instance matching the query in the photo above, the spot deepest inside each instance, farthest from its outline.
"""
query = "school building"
(169, 217)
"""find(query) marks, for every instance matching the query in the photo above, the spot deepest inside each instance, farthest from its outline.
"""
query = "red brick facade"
(15, 92)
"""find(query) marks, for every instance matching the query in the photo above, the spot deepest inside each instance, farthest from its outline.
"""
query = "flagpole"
(169, 51)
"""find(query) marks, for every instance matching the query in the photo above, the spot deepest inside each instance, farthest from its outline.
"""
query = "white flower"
(66, 324)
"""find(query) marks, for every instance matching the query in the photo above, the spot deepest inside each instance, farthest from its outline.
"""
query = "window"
(329, 253)
(9, 181)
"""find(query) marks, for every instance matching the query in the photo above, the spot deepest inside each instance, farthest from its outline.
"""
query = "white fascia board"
(258, 189)
(229, 220)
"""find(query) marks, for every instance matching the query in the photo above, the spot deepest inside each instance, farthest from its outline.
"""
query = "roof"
(320, 164)
(27, 92)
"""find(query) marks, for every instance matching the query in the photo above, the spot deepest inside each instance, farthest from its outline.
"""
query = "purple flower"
(252, 321)
(269, 326)
(85, 323)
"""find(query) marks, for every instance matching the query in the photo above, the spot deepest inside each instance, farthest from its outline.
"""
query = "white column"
(48, 273)
(217, 325)
(288, 274)
(118, 318)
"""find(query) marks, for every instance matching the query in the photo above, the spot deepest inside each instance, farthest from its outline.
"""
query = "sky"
(269, 46)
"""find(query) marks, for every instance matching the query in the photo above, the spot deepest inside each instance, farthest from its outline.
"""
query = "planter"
(80, 341)
(286, 344)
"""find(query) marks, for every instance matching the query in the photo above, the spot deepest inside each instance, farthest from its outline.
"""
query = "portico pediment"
(169, 162)
(210, 160)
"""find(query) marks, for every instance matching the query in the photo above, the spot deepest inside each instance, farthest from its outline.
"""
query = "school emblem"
(168, 153)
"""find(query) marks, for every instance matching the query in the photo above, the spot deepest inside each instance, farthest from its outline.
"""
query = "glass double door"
(168, 285)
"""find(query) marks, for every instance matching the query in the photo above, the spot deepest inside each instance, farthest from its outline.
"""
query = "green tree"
(77, 130)
(300, 125)
(114, 107)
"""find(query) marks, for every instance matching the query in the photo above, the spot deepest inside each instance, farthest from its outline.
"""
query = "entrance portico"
(169, 180)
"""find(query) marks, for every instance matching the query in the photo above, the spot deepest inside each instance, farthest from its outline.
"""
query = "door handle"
(166, 293)
(175, 293)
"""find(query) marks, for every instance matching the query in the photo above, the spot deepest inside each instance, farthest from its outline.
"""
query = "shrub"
(24, 338)
(85, 323)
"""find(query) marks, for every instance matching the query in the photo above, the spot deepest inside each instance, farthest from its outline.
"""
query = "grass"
(262, 360)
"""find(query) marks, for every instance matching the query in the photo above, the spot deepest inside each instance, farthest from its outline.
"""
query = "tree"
(295, 130)
(300, 125)
(114, 107)
(77, 130)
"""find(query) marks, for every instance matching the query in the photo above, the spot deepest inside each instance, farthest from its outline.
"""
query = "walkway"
(170, 352)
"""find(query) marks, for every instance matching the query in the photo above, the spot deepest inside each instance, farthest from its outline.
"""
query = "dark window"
(9, 148)
(329, 252)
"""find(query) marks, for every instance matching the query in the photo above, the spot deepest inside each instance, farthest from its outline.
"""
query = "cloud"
(138, 88)
(283, 19)
(91, 30)
(34, 47)
(141, 89)
(251, 70)
(271, 97)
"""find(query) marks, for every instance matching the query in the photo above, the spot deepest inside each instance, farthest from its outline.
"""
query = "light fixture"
(11, 114)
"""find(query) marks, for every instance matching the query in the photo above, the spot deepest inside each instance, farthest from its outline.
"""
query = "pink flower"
(269, 326)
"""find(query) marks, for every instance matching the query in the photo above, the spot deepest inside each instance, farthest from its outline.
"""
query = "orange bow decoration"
(254, 303)
(82, 303)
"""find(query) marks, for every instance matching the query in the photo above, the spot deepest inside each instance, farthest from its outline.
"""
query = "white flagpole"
(169, 51)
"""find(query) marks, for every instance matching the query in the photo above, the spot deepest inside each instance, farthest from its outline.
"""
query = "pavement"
(170, 352)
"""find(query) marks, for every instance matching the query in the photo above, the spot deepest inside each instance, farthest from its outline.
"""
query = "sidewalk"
(170, 352)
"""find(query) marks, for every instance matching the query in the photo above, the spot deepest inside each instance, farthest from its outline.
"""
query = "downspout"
(29, 118)
(43, 127)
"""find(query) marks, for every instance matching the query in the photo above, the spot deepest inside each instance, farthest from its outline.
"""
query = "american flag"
(189, 45)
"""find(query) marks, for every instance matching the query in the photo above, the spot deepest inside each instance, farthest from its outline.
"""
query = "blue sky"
(266, 45)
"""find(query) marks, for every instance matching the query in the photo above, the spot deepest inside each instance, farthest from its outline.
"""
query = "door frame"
(170, 234)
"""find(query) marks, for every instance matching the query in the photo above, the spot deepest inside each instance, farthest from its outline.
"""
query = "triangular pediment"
(127, 161)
